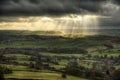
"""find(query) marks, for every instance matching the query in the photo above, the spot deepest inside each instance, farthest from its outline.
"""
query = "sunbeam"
(68, 24)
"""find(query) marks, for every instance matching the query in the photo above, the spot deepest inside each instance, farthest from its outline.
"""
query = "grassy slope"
(40, 75)
(89, 43)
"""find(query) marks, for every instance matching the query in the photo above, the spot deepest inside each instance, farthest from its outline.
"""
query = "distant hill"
(25, 32)
(60, 33)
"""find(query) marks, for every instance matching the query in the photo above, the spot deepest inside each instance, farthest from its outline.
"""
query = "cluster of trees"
(34, 51)
(1, 75)
(39, 66)
(116, 74)
(2, 58)
(41, 63)
(73, 68)
(68, 50)
(5, 70)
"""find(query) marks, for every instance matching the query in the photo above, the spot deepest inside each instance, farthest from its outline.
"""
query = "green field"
(21, 50)
(40, 75)
(22, 72)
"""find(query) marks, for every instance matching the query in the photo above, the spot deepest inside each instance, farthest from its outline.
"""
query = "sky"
(55, 7)
(107, 12)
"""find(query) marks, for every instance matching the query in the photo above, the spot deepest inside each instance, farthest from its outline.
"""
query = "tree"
(75, 69)
(116, 74)
(1, 74)
(64, 75)
(109, 45)
(38, 65)
(31, 65)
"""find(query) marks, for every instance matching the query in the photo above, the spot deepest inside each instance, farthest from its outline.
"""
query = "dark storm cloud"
(111, 9)
(60, 7)
(43, 7)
